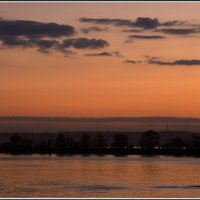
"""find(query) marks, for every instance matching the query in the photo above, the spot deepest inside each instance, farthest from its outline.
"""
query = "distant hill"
(126, 124)
(100, 119)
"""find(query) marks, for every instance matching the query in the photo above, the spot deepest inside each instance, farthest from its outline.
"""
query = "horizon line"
(152, 119)
(97, 117)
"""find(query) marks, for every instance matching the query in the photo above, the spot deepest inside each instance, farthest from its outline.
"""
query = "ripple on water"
(96, 188)
(177, 187)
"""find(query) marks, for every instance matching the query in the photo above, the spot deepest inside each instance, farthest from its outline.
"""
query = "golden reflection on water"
(95, 176)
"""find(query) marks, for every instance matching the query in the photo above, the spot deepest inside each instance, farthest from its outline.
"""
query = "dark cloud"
(34, 29)
(117, 22)
(32, 34)
(178, 31)
(173, 23)
(46, 45)
(146, 22)
(14, 42)
(84, 43)
(148, 37)
(141, 22)
(132, 30)
(176, 62)
(42, 45)
(130, 62)
(99, 54)
(93, 29)
(115, 53)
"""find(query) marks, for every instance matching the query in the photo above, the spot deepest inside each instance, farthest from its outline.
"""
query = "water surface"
(98, 176)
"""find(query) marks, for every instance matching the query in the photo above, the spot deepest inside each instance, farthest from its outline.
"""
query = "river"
(99, 176)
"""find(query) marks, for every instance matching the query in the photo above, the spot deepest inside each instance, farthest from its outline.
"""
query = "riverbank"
(111, 151)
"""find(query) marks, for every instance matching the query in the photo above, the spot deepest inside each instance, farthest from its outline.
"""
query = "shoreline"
(114, 152)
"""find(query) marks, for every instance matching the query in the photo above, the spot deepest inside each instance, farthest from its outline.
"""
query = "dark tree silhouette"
(99, 141)
(149, 140)
(50, 144)
(60, 142)
(177, 143)
(15, 141)
(120, 141)
(85, 142)
(70, 144)
(19, 144)
(98, 145)
(42, 146)
(195, 142)
(27, 143)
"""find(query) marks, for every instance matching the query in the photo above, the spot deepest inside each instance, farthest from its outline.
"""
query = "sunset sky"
(100, 59)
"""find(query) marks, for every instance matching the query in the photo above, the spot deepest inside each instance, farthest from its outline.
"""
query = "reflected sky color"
(99, 176)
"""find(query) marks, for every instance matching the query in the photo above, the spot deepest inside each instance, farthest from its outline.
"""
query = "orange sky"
(39, 84)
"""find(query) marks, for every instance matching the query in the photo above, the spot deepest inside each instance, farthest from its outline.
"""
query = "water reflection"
(98, 176)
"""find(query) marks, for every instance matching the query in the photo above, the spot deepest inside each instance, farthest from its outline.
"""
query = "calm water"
(95, 176)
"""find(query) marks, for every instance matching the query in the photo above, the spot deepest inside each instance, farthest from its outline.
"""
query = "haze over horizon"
(131, 124)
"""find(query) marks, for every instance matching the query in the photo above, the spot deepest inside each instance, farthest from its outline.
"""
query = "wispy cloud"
(93, 29)
(140, 22)
(176, 62)
(115, 53)
(99, 54)
(131, 62)
(179, 31)
(132, 30)
(147, 37)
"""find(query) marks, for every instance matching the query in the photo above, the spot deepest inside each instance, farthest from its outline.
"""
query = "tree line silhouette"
(98, 144)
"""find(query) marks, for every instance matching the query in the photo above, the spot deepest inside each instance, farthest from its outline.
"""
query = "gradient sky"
(152, 70)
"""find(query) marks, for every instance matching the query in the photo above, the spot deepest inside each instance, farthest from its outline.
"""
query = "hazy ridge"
(100, 119)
